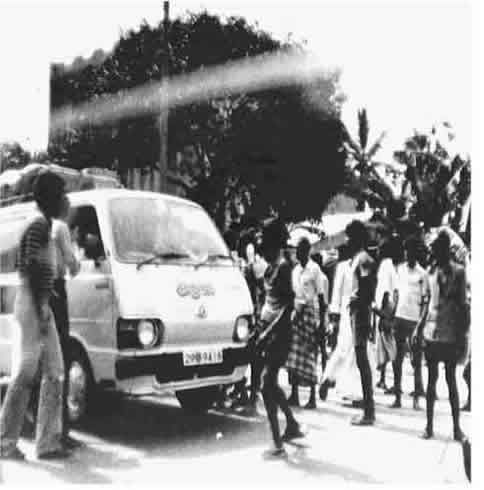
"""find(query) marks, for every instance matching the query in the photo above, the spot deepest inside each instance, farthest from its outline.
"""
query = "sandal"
(56, 454)
(275, 453)
(14, 455)
(427, 433)
(293, 432)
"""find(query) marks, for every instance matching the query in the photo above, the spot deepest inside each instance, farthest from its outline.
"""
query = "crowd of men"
(396, 297)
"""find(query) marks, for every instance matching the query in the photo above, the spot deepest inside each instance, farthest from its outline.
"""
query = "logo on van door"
(195, 291)
(202, 312)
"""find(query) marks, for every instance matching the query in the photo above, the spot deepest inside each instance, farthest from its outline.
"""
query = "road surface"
(153, 441)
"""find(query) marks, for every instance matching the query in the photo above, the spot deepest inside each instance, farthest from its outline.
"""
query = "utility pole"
(163, 118)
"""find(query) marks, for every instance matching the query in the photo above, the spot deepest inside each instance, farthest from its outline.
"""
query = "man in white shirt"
(410, 287)
(66, 261)
(310, 286)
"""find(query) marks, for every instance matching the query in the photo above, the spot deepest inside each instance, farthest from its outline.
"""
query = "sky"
(408, 63)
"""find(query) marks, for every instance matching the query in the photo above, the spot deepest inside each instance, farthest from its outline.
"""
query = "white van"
(158, 305)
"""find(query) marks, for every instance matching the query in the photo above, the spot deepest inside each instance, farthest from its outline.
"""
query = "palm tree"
(363, 181)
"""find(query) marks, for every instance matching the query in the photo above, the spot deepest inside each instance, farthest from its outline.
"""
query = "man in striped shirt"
(39, 347)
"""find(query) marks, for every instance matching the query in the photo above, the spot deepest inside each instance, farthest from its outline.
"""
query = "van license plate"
(199, 357)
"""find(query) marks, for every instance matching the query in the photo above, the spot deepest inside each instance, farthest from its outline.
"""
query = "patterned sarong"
(303, 351)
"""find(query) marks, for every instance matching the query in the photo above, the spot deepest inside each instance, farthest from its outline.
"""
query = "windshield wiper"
(166, 256)
(219, 256)
(213, 257)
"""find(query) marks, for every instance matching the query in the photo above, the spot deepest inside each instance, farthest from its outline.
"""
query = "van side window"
(86, 233)
(10, 240)
(8, 261)
(8, 265)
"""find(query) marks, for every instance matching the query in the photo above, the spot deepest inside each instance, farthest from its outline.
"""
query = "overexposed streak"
(251, 74)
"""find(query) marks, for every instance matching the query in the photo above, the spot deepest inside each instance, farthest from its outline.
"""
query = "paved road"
(152, 441)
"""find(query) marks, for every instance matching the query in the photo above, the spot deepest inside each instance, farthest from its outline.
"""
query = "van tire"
(81, 397)
(198, 400)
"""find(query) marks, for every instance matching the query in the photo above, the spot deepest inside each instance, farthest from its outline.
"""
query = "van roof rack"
(21, 198)
(76, 180)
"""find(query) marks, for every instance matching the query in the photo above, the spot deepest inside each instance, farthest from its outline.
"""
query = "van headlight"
(147, 333)
(242, 329)
(139, 334)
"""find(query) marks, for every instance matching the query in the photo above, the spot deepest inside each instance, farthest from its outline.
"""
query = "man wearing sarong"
(385, 305)
(341, 370)
(310, 287)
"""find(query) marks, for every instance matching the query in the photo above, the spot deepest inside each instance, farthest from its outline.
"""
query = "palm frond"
(351, 146)
(363, 128)
(376, 146)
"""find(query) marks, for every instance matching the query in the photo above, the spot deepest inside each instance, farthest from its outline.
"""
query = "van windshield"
(144, 227)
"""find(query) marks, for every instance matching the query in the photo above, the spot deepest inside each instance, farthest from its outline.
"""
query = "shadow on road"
(162, 430)
(381, 412)
(87, 466)
(314, 467)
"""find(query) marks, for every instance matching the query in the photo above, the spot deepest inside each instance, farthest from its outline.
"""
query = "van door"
(90, 293)
(8, 286)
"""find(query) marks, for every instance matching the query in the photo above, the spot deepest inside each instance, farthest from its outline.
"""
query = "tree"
(253, 152)
(437, 182)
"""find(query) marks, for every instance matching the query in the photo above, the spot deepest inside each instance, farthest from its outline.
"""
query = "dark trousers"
(274, 398)
(403, 334)
(360, 324)
(256, 367)
(324, 354)
(361, 351)
(467, 378)
(60, 310)
(450, 377)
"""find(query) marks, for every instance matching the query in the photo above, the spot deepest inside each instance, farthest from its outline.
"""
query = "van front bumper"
(169, 368)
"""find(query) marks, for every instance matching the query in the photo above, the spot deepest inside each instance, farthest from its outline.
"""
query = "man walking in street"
(66, 261)
(363, 272)
(275, 335)
(444, 326)
(38, 344)
(311, 292)
(257, 266)
(410, 296)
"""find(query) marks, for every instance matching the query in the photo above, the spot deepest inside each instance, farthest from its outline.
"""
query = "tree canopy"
(249, 153)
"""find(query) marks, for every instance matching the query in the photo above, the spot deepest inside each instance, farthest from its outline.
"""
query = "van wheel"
(81, 387)
(198, 400)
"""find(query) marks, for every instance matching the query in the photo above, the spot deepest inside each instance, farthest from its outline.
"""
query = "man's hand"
(75, 235)
(462, 348)
(44, 318)
(417, 339)
(372, 335)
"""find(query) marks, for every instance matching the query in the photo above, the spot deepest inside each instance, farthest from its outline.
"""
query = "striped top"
(36, 247)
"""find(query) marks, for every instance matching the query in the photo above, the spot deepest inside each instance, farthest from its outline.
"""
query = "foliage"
(244, 155)
(13, 156)
(362, 180)
(436, 182)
